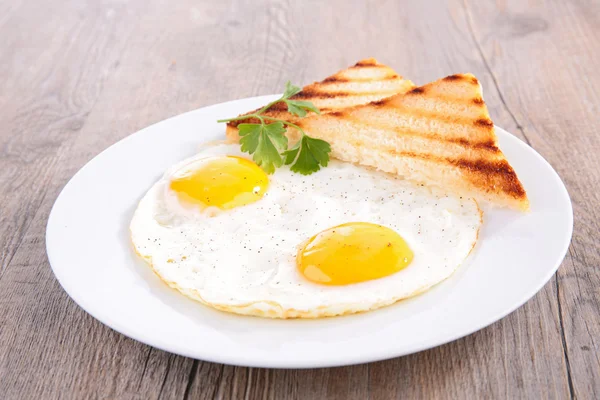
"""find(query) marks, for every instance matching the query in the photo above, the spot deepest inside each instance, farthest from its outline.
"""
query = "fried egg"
(343, 240)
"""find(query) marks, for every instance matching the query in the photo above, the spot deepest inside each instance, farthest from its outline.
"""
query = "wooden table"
(76, 76)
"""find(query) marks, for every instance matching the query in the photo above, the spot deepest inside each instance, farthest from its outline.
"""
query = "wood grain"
(76, 76)
(560, 119)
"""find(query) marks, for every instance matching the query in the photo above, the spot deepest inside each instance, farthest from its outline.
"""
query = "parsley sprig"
(267, 143)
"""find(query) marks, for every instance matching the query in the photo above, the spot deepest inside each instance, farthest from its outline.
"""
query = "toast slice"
(438, 134)
(365, 81)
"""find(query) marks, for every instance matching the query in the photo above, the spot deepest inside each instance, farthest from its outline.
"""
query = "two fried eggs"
(343, 240)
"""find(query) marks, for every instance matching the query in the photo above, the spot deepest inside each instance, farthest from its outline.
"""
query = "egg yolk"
(223, 182)
(353, 252)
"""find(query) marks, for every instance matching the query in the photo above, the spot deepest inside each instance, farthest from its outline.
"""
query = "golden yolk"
(353, 252)
(223, 182)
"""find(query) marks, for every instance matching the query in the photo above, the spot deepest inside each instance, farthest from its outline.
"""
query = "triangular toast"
(439, 134)
(365, 81)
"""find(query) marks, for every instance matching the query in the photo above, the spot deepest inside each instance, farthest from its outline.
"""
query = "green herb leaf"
(290, 90)
(294, 109)
(320, 149)
(291, 154)
(308, 155)
(249, 134)
(300, 107)
(265, 142)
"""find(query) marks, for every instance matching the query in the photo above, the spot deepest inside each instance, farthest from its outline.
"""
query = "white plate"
(89, 249)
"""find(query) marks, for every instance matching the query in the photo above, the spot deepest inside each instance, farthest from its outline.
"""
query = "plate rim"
(239, 360)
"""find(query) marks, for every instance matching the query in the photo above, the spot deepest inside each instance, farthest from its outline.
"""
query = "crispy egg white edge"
(272, 309)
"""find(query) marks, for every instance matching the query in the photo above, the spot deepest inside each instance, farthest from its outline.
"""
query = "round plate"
(90, 252)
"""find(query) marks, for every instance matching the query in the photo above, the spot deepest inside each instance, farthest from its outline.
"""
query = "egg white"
(243, 260)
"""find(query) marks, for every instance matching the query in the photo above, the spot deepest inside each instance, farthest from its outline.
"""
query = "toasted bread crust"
(437, 134)
(362, 83)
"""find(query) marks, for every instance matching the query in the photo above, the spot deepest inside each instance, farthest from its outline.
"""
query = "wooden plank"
(135, 64)
(60, 59)
(56, 71)
(544, 54)
(50, 347)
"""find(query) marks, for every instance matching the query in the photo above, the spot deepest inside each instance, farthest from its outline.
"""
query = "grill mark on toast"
(308, 95)
(500, 169)
(343, 79)
(487, 145)
(455, 77)
(444, 97)
(318, 90)
(235, 124)
(461, 77)
(379, 103)
(417, 90)
(387, 102)
(334, 78)
(276, 111)
(477, 172)
(484, 122)
(509, 181)
(315, 94)
(278, 107)
(449, 98)
(365, 63)
(422, 113)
